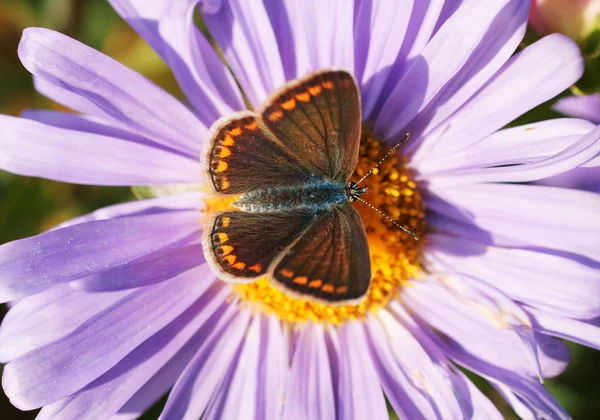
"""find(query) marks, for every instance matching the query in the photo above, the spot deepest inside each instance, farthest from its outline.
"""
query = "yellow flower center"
(395, 256)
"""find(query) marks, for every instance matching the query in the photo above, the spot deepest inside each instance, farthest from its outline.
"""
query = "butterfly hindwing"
(330, 262)
(244, 156)
(318, 117)
(243, 245)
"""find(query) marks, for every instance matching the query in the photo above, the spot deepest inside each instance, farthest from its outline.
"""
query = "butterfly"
(289, 165)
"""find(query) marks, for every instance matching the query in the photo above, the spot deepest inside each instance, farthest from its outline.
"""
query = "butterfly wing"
(318, 118)
(244, 156)
(330, 262)
(242, 246)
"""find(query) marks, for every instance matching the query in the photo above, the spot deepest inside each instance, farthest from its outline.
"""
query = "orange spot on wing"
(226, 249)
(275, 115)
(341, 289)
(223, 237)
(257, 268)
(228, 141)
(224, 183)
(328, 84)
(225, 221)
(230, 259)
(252, 126)
(301, 280)
(315, 90)
(303, 97)
(289, 104)
(224, 152)
(286, 273)
(221, 166)
(328, 288)
(239, 265)
(235, 131)
(315, 284)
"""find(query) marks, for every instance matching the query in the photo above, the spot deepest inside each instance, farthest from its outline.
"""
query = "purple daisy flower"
(116, 308)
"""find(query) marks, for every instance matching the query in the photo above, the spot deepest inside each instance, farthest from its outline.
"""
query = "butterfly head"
(353, 191)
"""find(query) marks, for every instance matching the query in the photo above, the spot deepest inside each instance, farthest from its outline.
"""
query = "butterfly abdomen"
(314, 196)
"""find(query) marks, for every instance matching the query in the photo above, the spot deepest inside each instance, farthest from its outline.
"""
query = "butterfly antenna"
(387, 155)
(399, 226)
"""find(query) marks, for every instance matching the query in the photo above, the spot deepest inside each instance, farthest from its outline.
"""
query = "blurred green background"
(30, 205)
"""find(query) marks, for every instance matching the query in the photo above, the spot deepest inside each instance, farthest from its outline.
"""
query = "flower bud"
(575, 18)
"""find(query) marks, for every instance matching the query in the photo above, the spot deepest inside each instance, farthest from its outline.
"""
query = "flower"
(574, 18)
(116, 307)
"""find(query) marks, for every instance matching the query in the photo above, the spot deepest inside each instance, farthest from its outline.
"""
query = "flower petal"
(193, 390)
(538, 218)
(313, 35)
(48, 316)
(534, 278)
(531, 77)
(38, 263)
(120, 93)
(380, 27)
(511, 146)
(357, 376)
(59, 369)
(442, 59)
(310, 393)
(586, 107)
(104, 396)
(202, 75)
(582, 332)
(489, 355)
(34, 149)
(495, 48)
(411, 379)
(243, 32)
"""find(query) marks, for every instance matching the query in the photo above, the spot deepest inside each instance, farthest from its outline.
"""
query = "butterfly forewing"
(244, 156)
(318, 117)
(244, 245)
(330, 262)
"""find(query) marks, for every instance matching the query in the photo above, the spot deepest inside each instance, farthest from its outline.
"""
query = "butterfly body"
(315, 196)
(289, 164)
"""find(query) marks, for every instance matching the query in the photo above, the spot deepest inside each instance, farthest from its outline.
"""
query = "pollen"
(395, 256)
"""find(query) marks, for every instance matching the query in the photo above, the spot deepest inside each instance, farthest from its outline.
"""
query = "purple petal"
(534, 278)
(64, 96)
(164, 379)
(250, 376)
(166, 204)
(59, 369)
(486, 326)
(34, 149)
(48, 316)
(379, 30)
(313, 34)
(38, 263)
(511, 146)
(441, 60)
(310, 393)
(193, 390)
(411, 379)
(202, 75)
(158, 266)
(538, 218)
(586, 107)
(495, 48)
(243, 32)
(103, 397)
(358, 377)
(523, 409)
(582, 332)
(581, 178)
(533, 76)
(120, 93)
